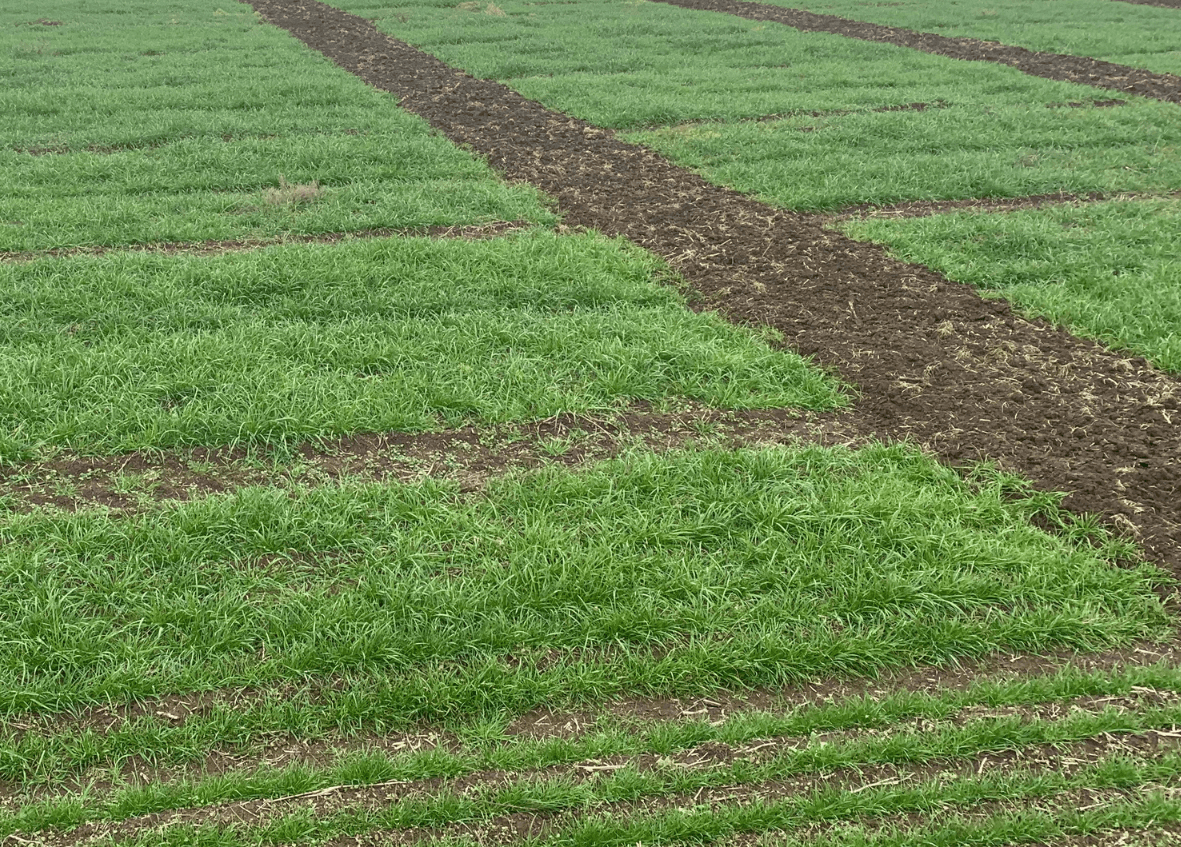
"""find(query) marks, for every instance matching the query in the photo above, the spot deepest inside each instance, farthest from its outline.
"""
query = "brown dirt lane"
(1080, 69)
(934, 362)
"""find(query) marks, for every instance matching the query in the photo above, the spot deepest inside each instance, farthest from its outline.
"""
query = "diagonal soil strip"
(934, 361)
(925, 208)
(1078, 69)
(211, 248)
(1059, 759)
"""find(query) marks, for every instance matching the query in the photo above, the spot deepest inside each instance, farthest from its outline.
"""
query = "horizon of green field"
(625, 64)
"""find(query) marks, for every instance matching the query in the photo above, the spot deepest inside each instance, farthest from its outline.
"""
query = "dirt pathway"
(1080, 69)
(933, 361)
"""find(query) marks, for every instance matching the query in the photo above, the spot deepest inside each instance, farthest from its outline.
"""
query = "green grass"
(172, 123)
(678, 573)
(1140, 36)
(831, 163)
(900, 727)
(621, 63)
(636, 65)
(293, 342)
(1108, 271)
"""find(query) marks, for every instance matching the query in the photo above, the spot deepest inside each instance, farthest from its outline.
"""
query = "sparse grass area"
(162, 123)
(1140, 36)
(1110, 271)
(621, 63)
(294, 342)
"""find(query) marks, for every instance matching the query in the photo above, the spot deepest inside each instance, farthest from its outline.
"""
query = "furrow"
(925, 208)
(703, 777)
(471, 455)
(998, 729)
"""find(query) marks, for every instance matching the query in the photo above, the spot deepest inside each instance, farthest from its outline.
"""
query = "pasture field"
(355, 490)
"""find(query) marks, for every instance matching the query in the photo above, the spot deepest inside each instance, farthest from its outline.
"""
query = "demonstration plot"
(652, 574)
(1137, 35)
(1109, 271)
(279, 345)
(151, 132)
(830, 163)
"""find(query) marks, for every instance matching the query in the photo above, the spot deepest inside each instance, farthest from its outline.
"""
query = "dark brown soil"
(1079, 69)
(209, 248)
(934, 362)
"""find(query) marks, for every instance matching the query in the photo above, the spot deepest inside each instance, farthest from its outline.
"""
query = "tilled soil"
(932, 360)
(1080, 69)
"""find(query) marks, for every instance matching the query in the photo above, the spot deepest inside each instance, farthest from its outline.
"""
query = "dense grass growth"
(1136, 35)
(287, 343)
(148, 122)
(1109, 271)
(833, 162)
(653, 573)
(625, 64)
(619, 63)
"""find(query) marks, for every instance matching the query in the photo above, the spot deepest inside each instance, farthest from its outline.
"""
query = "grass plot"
(673, 573)
(945, 154)
(1109, 271)
(289, 343)
(194, 122)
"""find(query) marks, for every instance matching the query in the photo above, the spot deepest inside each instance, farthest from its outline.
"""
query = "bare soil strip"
(471, 455)
(1065, 759)
(925, 208)
(934, 362)
(212, 248)
(1079, 69)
